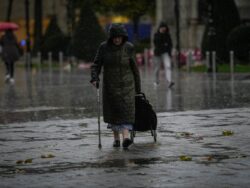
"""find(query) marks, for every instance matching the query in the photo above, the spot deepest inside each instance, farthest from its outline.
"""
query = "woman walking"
(10, 54)
(162, 53)
(121, 82)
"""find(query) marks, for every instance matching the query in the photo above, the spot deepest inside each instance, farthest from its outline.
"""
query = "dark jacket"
(10, 52)
(162, 41)
(121, 79)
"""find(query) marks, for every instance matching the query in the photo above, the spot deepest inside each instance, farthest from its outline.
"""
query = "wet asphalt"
(49, 138)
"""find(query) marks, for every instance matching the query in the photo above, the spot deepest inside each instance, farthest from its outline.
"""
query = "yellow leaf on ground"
(185, 158)
(19, 162)
(47, 156)
(187, 134)
(227, 133)
(19, 171)
(50, 156)
(28, 161)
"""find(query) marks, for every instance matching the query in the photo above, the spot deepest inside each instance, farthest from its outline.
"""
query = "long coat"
(121, 81)
(10, 52)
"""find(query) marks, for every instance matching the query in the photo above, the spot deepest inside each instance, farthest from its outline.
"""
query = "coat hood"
(163, 24)
(116, 30)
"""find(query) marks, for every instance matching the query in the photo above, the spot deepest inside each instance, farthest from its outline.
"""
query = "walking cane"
(99, 114)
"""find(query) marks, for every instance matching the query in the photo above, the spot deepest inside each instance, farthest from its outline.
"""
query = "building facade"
(50, 7)
(191, 30)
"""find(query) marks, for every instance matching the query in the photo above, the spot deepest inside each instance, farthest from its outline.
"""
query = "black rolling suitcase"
(145, 116)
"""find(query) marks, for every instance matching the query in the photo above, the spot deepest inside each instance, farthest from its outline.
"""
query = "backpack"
(145, 116)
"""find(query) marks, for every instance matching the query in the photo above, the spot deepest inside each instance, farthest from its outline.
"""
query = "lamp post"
(177, 18)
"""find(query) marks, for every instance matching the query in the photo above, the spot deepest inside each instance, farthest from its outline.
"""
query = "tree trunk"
(27, 20)
(70, 16)
(37, 26)
(177, 17)
(8, 16)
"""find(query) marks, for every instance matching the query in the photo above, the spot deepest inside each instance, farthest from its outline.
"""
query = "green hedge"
(88, 34)
(141, 45)
(239, 41)
(54, 40)
(226, 18)
(224, 68)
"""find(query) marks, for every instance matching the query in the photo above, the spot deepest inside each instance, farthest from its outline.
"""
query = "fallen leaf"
(185, 158)
(187, 134)
(19, 162)
(47, 156)
(209, 158)
(50, 156)
(19, 171)
(28, 161)
(227, 133)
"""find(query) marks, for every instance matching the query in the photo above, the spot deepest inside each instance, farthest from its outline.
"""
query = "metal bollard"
(146, 57)
(50, 60)
(28, 60)
(39, 57)
(60, 59)
(232, 62)
(207, 59)
(189, 60)
(214, 61)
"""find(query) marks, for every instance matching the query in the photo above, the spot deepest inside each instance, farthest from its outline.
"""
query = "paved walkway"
(48, 134)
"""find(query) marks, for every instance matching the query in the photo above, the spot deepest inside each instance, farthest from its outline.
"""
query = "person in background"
(121, 82)
(10, 54)
(162, 53)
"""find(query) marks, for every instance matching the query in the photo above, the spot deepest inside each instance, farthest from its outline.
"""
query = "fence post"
(39, 57)
(146, 57)
(214, 61)
(50, 60)
(232, 62)
(189, 60)
(60, 59)
(28, 60)
(207, 59)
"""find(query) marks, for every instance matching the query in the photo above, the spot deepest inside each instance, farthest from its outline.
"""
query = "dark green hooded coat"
(121, 79)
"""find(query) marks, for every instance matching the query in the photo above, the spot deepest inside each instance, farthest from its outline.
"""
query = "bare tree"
(8, 16)
(38, 10)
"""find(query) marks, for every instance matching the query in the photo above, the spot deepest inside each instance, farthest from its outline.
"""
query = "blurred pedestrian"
(162, 53)
(10, 54)
(121, 82)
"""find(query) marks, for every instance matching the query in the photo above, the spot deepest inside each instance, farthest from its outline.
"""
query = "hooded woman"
(121, 82)
(162, 53)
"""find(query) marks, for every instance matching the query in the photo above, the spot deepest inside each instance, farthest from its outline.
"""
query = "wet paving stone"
(48, 134)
